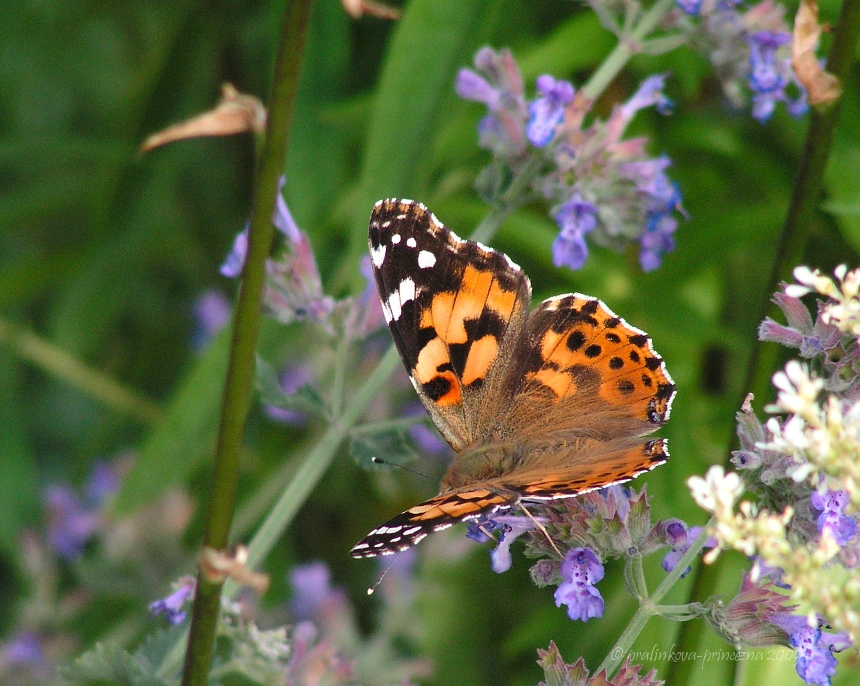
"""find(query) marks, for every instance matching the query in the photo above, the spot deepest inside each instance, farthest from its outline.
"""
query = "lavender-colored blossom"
(576, 218)
(235, 260)
(480, 530)
(472, 86)
(580, 570)
(211, 314)
(649, 93)
(691, 7)
(815, 661)
(765, 75)
(282, 218)
(511, 527)
(656, 240)
(831, 505)
(680, 538)
(547, 111)
(428, 440)
(762, 570)
(314, 597)
(171, 606)
(291, 378)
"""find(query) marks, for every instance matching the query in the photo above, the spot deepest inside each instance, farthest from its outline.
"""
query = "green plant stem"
(61, 364)
(626, 48)
(246, 325)
(794, 239)
(648, 607)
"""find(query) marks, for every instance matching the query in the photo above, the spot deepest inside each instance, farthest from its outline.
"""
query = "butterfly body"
(538, 405)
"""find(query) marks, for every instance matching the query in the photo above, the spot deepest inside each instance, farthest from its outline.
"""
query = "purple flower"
(171, 606)
(235, 259)
(650, 92)
(656, 240)
(291, 378)
(576, 218)
(680, 538)
(815, 662)
(765, 75)
(312, 590)
(211, 314)
(547, 111)
(691, 7)
(831, 505)
(580, 570)
(511, 526)
(428, 440)
(472, 86)
(282, 218)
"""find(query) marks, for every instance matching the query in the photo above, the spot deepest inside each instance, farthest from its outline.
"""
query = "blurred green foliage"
(103, 252)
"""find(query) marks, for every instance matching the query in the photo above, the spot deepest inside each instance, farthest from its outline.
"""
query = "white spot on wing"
(377, 255)
(404, 293)
(411, 242)
(395, 239)
(426, 259)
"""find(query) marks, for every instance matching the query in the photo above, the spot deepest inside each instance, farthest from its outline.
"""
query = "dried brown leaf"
(820, 86)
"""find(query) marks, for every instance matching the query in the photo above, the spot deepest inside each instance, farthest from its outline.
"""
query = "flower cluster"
(558, 673)
(749, 48)
(597, 184)
(575, 536)
(803, 466)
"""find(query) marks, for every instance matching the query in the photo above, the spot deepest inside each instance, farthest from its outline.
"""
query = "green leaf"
(109, 664)
(430, 43)
(186, 435)
(306, 399)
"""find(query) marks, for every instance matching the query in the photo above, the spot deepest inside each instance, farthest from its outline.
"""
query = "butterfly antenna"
(372, 589)
(379, 460)
(542, 530)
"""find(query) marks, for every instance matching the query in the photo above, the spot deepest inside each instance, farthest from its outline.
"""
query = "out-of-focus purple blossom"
(691, 7)
(770, 75)
(649, 93)
(472, 86)
(171, 606)
(580, 570)
(313, 593)
(291, 379)
(656, 240)
(103, 483)
(235, 260)
(211, 314)
(428, 440)
(762, 570)
(680, 538)
(815, 661)
(831, 505)
(282, 218)
(366, 315)
(576, 218)
(547, 111)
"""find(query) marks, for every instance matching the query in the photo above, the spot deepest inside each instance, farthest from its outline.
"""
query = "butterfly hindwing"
(408, 528)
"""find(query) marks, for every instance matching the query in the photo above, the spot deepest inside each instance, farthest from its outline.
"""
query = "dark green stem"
(240, 371)
(792, 246)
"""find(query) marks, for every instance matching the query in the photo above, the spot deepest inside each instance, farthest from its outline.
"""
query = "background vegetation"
(103, 253)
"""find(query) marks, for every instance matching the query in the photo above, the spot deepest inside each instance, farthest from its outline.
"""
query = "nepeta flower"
(511, 527)
(546, 113)
(291, 379)
(211, 314)
(576, 218)
(770, 75)
(691, 7)
(815, 662)
(580, 570)
(680, 538)
(831, 505)
(747, 620)
(171, 606)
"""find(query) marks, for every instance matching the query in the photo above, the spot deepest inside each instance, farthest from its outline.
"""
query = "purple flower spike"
(311, 584)
(815, 662)
(831, 505)
(171, 606)
(547, 111)
(576, 218)
(764, 74)
(580, 570)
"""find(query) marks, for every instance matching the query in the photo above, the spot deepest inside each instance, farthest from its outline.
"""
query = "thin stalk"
(648, 607)
(68, 368)
(240, 371)
(796, 231)
(626, 48)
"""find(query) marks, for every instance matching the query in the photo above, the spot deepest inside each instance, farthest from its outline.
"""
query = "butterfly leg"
(542, 530)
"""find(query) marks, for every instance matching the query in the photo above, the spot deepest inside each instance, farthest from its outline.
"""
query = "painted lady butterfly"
(539, 405)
